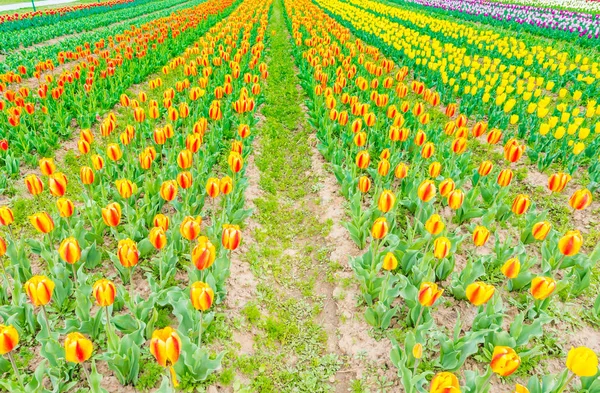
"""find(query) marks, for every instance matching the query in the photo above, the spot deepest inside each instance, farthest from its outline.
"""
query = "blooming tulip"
(581, 199)
(426, 191)
(511, 268)
(505, 361)
(42, 222)
(441, 247)
(190, 227)
(570, 243)
(434, 225)
(582, 362)
(480, 293)
(386, 201)
(541, 229)
(128, 253)
(165, 346)
(480, 235)
(444, 382)
(69, 250)
(201, 295)
(104, 291)
(111, 214)
(231, 236)
(542, 287)
(429, 293)
(39, 289)
(78, 348)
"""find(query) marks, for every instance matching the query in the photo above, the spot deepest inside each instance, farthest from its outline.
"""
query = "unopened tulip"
(9, 339)
(446, 187)
(47, 166)
(57, 184)
(386, 202)
(34, 185)
(582, 362)
(505, 361)
(480, 293)
(42, 222)
(39, 290)
(455, 199)
(364, 184)
(104, 291)
(426, 191)
(401, 171)
(168, 190)
(128, 253)
(390, 262)
(434, 225)
(86, 174)
(111, 214)
(581, 199)
(190, 227)
(520, 389)
(485, 168)
(6, 216)
(441, 247)
(212, 187)
(201, 295)
(231, 236)
(541, 229)
(511, 268)
(417, 351)
(542, 287)
(444, 382)
(570, 243)
(505, 177)
(480, 235)
(160, 220)
(69, 250)
(65, 207)
(235, 161)
(380, 228)
(363, 159)
(126, 188)
(158, 238)
(520, 204)
(429, 293)
(226, 185)
(165, 346)
(558, 181)
(78, 348)
(204, 254)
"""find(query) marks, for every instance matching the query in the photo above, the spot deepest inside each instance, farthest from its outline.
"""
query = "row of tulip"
(582, 27)
(16, 35)
(428, 204)
(36, 122)
(533, 92)
(592, 6)
(24, 19)
(40, 60)
(162, 186)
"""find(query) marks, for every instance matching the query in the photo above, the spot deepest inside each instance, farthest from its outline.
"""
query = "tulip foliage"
(152, 225)
(438, 220)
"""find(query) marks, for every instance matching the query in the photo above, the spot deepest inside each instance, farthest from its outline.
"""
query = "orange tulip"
(212, 187)
(401, 171)
(113, 151)
(104, 291)
(42, 222)
(581, 199)
(363, 159)
(364, 184)
(455, 199)
(158, 238)
(541, 229)
(160, 220)
(429, 293)
(505, 177)
(128, 253)
(78, 349)
(97, 162)
(2, 246)
(57, 183)
(39, 290)
(235, 161)
(434, 225)
(184, 179)
(511, 268)
(168, 190)
(446, 187)
(185, 159)
(34, 185)
(126, 188)
(47, 166)
(390, 262)
(111, 214)
(6, 216)
(521, 204)
(231, 236)
(505, 361)
(558, 181)
(386, 202)
(542, 287)
(435, 168)
(380, 228)
(69, 250)
(485, 168)
(226, 185)
(65, 207)
(201, 295)
(9, 339)
(444, 382)
(570, 243)
(480, 293)
(204, 254)
(86, 174)
(165, 346)
(190, 227)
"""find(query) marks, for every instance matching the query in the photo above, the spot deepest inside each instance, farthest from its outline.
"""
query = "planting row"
(460, 265)
(148, 223)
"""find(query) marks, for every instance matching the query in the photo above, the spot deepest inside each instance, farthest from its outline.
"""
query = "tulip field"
(300, 196)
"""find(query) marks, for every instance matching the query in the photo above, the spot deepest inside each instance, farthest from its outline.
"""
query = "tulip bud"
(168, 190)
(104, 291)
(235, 161)
(444, 382)
(380, 228)
(113, 151)
(485, 168)
(435, 168)
(427, 150)
(582, 362)
(226, 185)
(520, 389)
(363, 159)
(581, 199)
(184, 179)
(204, 254)
(65, 207)
(165, 346)
(446, 187)
(455, 199)
(511, 268)
(383, 168)
(434, 225)
(201, 295)
(78, 349)
(39, 290)
(429, 293)
(9, 339)
(417, 351)
(386, 202)
(505, 177)
(47, 166)
(364, 184)
(480, 293)
(42, 222)
(158, 238)
(401, 171)
(542, 287)
(86, 174)
(231, 236)
(541, 229)
(190, 227)
(390, 262)
(212, 187)
(185, 159)
(111, 214)
(160, 220)
(128, 253)
(520, 204)
(441, 247)
(34, 185)
(505, 361)
(558, 181)
(513, 152)
(426, 191)
(570, 243)
(480, 235)
(126, 188)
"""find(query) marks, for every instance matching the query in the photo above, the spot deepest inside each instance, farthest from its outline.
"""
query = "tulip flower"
(235, 162)
(505, 177)
(363, 159)
(190, 227)
(231, 236)
(6, 216)
(511, 268)
(226, 185)
(47, 166)
(128, 253)
(480, 293)
(390, 262)
(505, 361)
(441, 247)
(9, 339)
(42, 222)
(86, 174)
(364, 184)
(165, 346)
(429, 293)
(386, 201)
(78, 348)
(111, 214)
(570, 243)
(104, 291)
(485, 168)
(455, 199)
(520, 389)
(582, 361)
(65, 207)
(380, 228)
(581, 199)
(185, 159)
(417, 351)
(444, 382)
(520, 204)
(204, 254)
(69, 250)
(558, 181)
(168, 190)
(39, 289)
(426, 190)
(401, 171)
(212, 187)
(542, 287)
(480, 235)
(435, 168)
(434, 224)
(57, 184)
(202, 297)
(126, 188)
(158, 238)
(541, 229)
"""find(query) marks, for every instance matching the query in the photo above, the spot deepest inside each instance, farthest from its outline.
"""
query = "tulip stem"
(131, 286)
(5, 277)
(16, 370)
(74, 275)
(87, 375)
(567, 382)
(108, 336)
(383, 293)
(415, 366)
(200, 330)
(419, 318)
(46, 319)
(487, 381)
